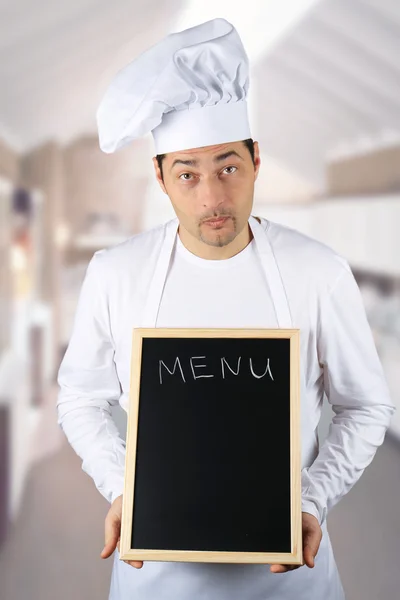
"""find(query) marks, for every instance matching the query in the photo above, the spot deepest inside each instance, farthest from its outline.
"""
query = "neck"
(204, 250)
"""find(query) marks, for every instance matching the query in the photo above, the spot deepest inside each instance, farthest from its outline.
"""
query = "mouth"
(218, 222)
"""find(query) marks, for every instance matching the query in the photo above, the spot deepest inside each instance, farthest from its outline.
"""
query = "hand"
(312, 535)
(113, 531)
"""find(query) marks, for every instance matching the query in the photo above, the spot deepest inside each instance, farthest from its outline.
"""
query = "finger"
(111, 533)
(138, 564)
(283, 568)
(278, 568)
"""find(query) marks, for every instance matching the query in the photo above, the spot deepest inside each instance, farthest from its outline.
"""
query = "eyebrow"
(194, 163)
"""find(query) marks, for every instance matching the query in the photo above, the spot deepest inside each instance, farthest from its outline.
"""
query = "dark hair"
(249, 143)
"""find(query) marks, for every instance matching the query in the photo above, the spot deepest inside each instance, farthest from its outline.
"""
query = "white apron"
(158, 580)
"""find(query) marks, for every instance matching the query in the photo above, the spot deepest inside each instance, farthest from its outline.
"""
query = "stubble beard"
(220, 240)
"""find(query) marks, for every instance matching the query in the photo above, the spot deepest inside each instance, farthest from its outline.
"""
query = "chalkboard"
(212, 470)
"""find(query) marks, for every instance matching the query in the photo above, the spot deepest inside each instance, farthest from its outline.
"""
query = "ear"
(257, 160)
(158, 175)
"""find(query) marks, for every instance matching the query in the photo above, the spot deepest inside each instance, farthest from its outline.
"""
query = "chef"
(217, 265)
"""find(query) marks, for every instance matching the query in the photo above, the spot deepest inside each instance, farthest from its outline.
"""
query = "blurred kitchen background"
(325, 108)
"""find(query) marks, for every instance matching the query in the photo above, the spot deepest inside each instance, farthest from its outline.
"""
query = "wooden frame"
(294, 557)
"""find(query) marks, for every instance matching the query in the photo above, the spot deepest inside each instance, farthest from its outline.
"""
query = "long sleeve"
(356, 388)
(89, 385)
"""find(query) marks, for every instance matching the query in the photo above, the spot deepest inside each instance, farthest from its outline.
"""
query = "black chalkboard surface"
(212, 469)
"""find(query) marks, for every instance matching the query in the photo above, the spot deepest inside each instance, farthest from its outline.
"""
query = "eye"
(180, 176)
(231, 167)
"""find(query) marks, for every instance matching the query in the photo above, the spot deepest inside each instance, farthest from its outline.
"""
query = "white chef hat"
(189, 90)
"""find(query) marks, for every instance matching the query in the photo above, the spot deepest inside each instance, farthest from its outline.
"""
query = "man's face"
(209, 183)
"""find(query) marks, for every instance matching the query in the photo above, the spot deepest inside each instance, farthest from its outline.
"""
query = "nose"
(212, 194)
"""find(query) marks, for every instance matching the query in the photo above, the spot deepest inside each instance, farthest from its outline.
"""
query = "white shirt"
(337, 353)
(205, 293)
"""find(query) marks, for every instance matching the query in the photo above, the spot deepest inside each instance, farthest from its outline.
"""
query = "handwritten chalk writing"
(177, 361)
(198, 366)
(224, 363)
(223, 360)
(259, 376)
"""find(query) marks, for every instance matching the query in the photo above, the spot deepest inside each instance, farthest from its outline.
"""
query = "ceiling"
(57, 60)
(325, 76)
(331, 86)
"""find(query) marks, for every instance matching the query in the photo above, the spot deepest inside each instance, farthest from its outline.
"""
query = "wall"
(373, 172)
(9, 162)
(111, 184)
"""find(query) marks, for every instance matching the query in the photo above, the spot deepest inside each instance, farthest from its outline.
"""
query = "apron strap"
(153, 299)
(272, 274)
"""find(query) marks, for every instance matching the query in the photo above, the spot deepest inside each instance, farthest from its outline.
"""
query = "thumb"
(310, 549)
(112, 532)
